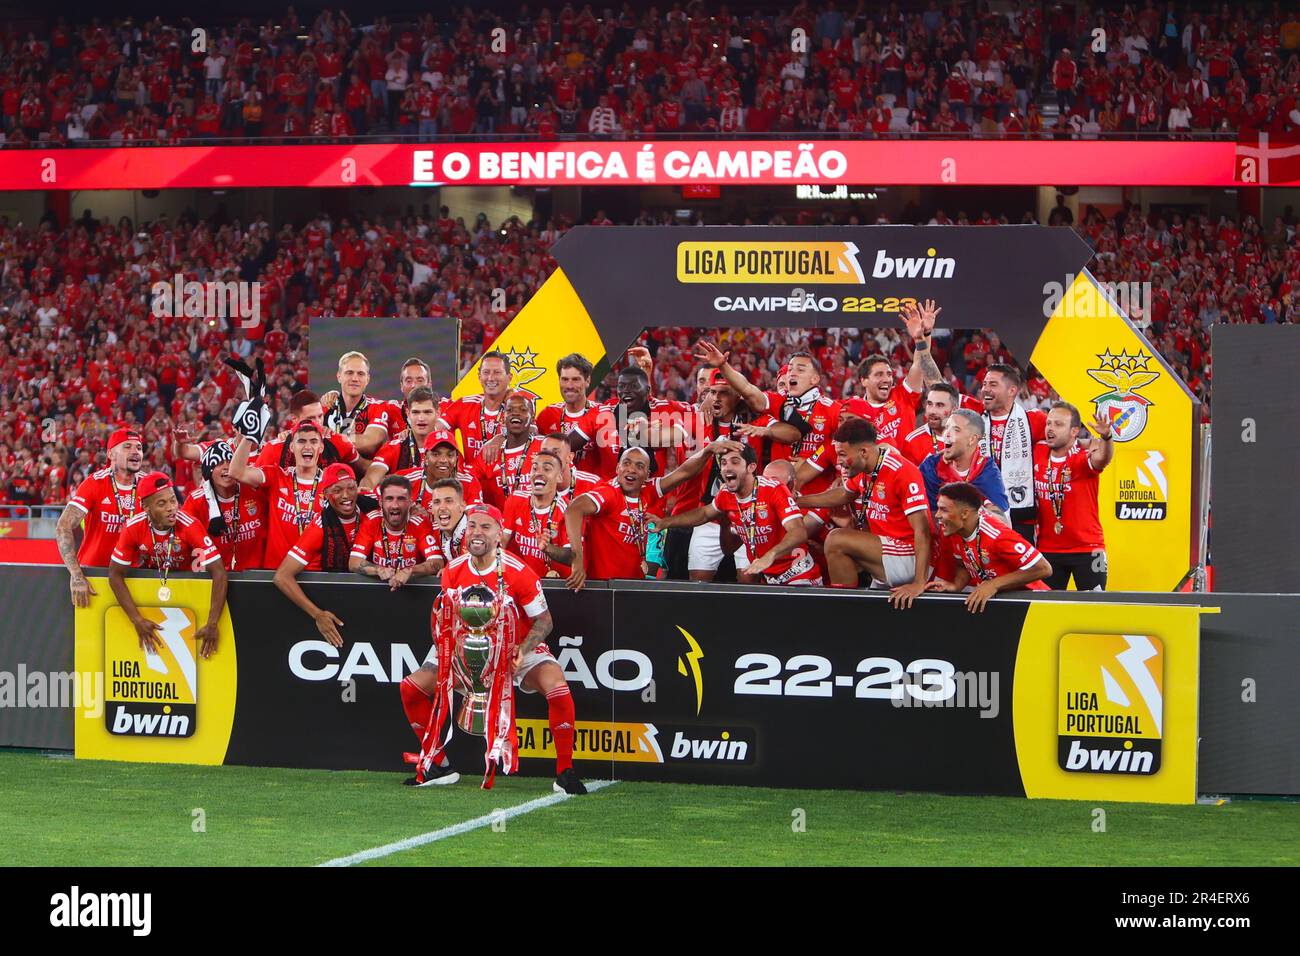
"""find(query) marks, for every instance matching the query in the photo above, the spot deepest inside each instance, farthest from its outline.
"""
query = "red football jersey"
(186, 547)
(400, 456)
(518, 587)
(1070, 482)
(107, 507)
(822, 415)
(293, 502)
(369, 411)
(558, 418)
(528, 526)
(920, 444)
(451, 544)
(614, 538)
(244, 543)
(992, 551)
(894, 417)
(762, 519)
(506, 475)
(473, 422)
(606, 441)
(886, 497)
(413, 545)
(422, 494)
(310, 547)
(581, 482)
(825, 463)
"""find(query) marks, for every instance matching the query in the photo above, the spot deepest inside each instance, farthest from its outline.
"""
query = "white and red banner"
(681, 163)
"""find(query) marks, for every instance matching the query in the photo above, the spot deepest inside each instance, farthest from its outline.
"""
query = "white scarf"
(1017, 458)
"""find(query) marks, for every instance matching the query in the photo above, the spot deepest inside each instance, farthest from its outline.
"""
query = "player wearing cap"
(479, 418)
(404, 454)
(326, 545)
(293, 494)
(354, 414)
(526, 661)
(891, 534)
(534, 519)
(235, 514)
(801, 404)
(105, 501)
(762, 512)
(507, 472)
(978, 548)
(1066, 476)
(392, 544)
(574, 373)
(163, 537)
(442, 462)
(612, 544)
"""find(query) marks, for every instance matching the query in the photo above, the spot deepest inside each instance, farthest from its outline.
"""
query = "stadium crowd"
(83, 353)
(556, 70)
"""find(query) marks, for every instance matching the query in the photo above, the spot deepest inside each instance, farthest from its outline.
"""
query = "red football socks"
(418, 706)
(559, 704)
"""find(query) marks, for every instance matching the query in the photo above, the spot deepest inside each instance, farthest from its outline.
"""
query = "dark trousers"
(1087, 567)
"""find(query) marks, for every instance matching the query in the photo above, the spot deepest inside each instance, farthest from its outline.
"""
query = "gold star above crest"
(1107, 359)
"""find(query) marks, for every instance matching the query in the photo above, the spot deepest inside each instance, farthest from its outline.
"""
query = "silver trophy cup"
(471, 661)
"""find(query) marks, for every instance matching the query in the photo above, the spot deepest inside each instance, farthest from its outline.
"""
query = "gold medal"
(164, 593)
(1059, 527)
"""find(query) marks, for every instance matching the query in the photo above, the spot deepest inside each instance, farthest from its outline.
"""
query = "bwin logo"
(921, 267)
(684, 748)
(165, 724)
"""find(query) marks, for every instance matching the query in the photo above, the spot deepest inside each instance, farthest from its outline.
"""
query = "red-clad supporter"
(975, 547)
(165, 539)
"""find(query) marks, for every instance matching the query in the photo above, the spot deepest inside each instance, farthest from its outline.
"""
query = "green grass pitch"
(90, 813)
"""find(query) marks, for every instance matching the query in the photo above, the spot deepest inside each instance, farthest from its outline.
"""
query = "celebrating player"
(1065, 481)
(426, 694)
(891, 537)
(391, 544)
(447, 511)
(574, 373)
(167, 539)
(324, 546)
(404, 454)
(105, 500)
(1010, 433)
(304, 406)
(635, 420)
(891, 408)
(234, 513)
(975, 547)
(442, 462)
(354, 414)
(764, 513)
(962, 459)
(293, 494)
(534, 520)
(506, 472)
(941, 400)
(480, 418)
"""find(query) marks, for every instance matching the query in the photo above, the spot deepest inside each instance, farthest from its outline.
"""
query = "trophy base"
(472, 717)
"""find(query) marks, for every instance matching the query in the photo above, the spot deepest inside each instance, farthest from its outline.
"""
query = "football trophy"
(473, 662)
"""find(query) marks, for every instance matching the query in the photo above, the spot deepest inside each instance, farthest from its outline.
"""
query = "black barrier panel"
(304, 703)
(823, 690)
(1256, 537)
(38, 687)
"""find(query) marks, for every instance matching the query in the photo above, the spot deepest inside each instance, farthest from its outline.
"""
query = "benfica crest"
(524, 369)
(1124, 374)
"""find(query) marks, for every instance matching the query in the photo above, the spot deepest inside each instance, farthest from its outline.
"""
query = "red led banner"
(750, 162)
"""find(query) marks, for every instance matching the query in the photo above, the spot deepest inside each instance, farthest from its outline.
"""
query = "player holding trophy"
(481, 649)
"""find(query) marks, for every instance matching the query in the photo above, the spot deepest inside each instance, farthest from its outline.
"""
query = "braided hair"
(337, 548)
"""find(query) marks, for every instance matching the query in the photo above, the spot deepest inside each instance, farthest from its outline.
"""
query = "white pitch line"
(411, 843)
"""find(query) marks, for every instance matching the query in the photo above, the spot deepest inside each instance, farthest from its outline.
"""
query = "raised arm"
(711, 355)
(920, 319)
(241, 470)
(1103, 446)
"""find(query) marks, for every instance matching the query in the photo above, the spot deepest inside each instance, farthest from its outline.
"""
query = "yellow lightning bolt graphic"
(694, 656)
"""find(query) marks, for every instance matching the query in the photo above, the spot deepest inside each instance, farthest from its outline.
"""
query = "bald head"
(780, 470)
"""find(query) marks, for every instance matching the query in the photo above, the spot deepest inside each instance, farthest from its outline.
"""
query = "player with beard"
(636, 419)
(105, 501)
(799, 403)
(293, 494)
(891, 534)
(404, 455)
(354, 414)
(572, 481)
(480, 418)
(1066, 476)
(962, 459)
(506, 473)
(447, 512)
(442, 461)
(764, 514)
(723, 415)
(574, 373)
(817, 522)
(612, 544)
(326, 545)
(426, 694)
(891, 408)
(162, 536)
(391, 544)
(235, 514)
(975, 547)
(941, 400)
(534, 519)
(1010, 433)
